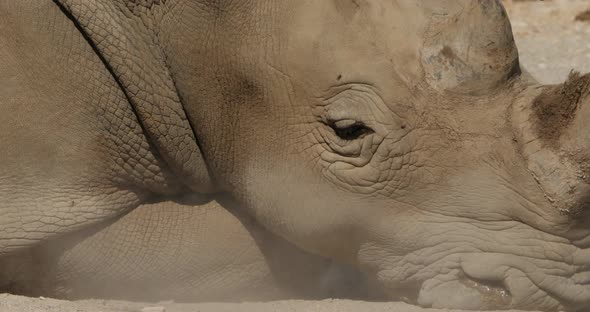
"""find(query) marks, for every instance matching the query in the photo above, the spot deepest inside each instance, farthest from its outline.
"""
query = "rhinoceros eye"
(350, 129)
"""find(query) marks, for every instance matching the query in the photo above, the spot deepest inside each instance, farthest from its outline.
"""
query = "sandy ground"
(23, 304)
(551, 44)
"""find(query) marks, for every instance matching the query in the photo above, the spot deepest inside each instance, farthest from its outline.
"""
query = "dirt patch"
(584, 16)
(556, 106)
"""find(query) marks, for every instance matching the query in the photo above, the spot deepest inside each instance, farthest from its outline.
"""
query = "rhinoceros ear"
(468, 47)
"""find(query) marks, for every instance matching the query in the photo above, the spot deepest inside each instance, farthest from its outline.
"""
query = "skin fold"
(400, 139)
(190, 250)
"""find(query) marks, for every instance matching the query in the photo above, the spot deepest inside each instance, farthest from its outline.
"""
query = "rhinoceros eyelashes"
(349, 129)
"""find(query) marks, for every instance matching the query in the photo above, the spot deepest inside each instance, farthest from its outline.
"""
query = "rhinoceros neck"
(124, 34)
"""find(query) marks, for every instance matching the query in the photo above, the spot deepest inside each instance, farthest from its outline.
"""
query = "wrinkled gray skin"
(399, 137)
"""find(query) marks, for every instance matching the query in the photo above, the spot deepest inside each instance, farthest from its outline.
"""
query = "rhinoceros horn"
(561, 128)
(468, 46)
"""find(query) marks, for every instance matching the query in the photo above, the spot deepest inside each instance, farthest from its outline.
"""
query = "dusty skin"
(549, 63)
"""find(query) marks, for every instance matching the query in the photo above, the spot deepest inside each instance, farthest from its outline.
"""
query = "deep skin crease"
(396, 137)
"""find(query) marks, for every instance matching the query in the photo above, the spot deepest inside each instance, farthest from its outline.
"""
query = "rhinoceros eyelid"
(335, 90)
(345, 123)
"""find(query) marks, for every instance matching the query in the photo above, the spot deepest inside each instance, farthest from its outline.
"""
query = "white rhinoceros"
(399, 138)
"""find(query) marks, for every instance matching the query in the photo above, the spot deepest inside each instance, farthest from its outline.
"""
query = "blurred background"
(553, 36)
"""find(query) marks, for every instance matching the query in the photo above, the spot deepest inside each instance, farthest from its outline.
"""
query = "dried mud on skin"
(584, 16)
(553, 37)
(556, 106)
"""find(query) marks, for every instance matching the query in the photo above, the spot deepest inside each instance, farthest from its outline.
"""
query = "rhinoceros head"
(401, 137)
